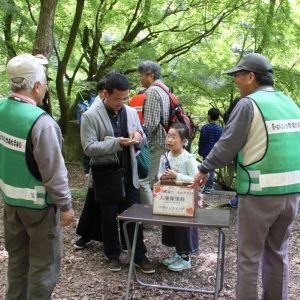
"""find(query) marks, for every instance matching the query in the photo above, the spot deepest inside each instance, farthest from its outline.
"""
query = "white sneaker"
(180, 265)
(170, 260)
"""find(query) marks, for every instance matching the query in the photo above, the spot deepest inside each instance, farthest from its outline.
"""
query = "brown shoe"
(144, 264)
(114, 265)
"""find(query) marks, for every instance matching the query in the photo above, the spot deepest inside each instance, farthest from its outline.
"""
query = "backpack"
(137, 102)
(177, 114)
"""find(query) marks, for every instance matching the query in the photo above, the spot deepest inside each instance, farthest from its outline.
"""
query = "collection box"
(174, 199)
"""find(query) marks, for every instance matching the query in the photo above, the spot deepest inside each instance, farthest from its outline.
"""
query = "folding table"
(211, 218)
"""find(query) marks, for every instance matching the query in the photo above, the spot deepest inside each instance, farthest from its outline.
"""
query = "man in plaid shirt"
(156, 114)
(209, 135)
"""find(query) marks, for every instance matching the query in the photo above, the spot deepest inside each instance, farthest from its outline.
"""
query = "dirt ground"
(84, 273)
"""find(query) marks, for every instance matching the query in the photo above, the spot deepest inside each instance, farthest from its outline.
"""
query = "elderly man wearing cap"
(33, 183)
(264, 131)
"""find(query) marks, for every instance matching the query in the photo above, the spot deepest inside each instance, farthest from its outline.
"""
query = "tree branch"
(185, 47)
(72, 78)
(126, 44)
(266, 31)
(134, 18)
(62, 66)
(56, 51)
(30, 12)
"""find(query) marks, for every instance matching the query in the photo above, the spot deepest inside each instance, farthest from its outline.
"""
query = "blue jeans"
(210, 181)
(234, 201)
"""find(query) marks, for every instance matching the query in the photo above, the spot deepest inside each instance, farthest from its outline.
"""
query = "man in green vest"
(264, 131)
(33, 183)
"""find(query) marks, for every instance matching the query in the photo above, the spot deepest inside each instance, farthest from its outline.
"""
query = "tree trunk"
(62, 67)
(11, 51)
(43, 42)
(72, 149)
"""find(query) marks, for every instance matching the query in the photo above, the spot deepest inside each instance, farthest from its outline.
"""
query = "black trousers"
(110, 208)
(89, 225)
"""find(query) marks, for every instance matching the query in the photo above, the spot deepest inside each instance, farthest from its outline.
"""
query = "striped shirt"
(157, 107)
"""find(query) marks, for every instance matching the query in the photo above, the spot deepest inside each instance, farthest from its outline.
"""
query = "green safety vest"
(19, 187)
(269, 163)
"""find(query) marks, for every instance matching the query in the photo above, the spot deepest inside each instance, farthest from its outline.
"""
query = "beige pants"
(145, 184)
(264, 226)
(33, 240)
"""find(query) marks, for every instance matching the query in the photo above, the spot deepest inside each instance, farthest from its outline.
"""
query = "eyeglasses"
(119, 100)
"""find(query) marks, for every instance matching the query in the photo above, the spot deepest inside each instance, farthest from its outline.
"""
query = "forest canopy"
(193, 40)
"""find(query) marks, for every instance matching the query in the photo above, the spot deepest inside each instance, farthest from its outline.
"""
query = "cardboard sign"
(173, 200)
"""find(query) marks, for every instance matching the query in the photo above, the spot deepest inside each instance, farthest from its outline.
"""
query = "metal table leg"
(132, 270)
(131, 253)
(223, 259)
(220, 263)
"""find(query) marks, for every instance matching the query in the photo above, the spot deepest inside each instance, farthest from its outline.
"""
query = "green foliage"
(171, 33)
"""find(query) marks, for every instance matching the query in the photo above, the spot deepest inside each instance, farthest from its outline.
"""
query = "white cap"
(27, 66)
